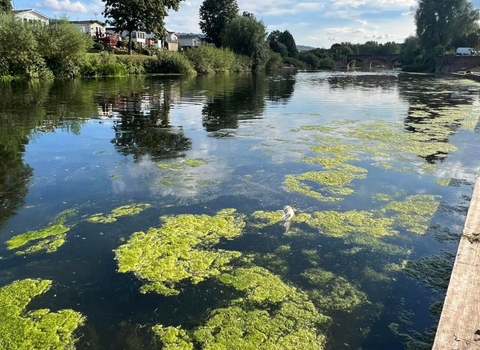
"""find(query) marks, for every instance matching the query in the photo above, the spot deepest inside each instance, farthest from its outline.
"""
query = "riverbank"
(459, 326)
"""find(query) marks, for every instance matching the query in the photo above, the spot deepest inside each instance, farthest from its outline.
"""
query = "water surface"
(201, 144)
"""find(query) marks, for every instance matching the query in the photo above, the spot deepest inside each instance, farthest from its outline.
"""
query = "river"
(154, 206)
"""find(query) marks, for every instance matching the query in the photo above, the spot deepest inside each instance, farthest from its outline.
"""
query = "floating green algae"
(125, 210)
(195, 162)
(36, 329)
(388, 136)
(338, 224)
(177, 166)
(178, 250)
(415, 212)
(429, 168)
(47, 239)
(330, 292)
(49, 245)
(293, 184)
(271, 315)
(443, 181)
(259, 284)
(173, 338)
(333, 182)
(382, 197)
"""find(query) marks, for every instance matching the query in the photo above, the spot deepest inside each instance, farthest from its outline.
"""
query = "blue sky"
(318, 23)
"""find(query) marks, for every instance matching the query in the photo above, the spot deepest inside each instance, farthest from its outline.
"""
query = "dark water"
(94, 145)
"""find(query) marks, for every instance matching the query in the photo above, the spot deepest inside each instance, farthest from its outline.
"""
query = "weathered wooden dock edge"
(459, 326)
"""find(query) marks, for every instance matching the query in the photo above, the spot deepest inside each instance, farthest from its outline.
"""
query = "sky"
(318, 23)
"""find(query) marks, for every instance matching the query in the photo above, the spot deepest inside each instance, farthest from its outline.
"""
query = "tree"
(5, 6)
(410, 51)
(310, 59)
(390, 48)
(287, 39)
(131, 15)
(247, 36)
(440, 21)
(340, 51)
(214, 16)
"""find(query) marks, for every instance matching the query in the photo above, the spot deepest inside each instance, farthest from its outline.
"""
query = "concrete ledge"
(459, 326)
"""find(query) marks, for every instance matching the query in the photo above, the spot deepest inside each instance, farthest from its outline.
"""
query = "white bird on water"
(288, 215)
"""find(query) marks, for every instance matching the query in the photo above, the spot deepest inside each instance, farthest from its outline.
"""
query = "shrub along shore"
(34, 51)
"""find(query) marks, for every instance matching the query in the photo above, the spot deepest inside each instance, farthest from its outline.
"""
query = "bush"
(20, 56)
(274, 63)
(326, 63)
(294, 62)
(310, 59)
(63, 47)
(242, 64)
(209, 59)
(169, 62)
(96, 47)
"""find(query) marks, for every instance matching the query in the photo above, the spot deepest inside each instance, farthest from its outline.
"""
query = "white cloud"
(297, 8)
(65, 5)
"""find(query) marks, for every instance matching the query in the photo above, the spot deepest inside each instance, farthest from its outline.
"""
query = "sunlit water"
(97, 145)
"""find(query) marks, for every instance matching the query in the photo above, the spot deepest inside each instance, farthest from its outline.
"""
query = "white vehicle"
(465, 51)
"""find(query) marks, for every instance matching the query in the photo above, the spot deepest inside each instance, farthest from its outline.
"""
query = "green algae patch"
(195, 162)
(387, 136)
(37, 329)
(415, 212)
(177, 166)
(259, 284)
(125, 210)
(429, 168)
(337, 224)
(182, 249)
(272, 315)
(235, 328)
(330, 292)
(293, 184)
(170, 166)
(47, 239)
(265, 218)
(445, 182)
(173, 338)
(49, 245)
(332, 182)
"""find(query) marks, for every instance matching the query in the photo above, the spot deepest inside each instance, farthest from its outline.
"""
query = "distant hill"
(305, 47)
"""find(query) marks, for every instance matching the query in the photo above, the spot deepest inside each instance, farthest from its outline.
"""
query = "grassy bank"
(204, 59)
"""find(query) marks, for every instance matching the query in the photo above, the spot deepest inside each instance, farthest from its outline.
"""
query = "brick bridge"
(365, 61)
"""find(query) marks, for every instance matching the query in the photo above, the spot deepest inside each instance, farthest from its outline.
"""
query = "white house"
(31, 16)
(137, 36)
(189, 40)
(92, 27)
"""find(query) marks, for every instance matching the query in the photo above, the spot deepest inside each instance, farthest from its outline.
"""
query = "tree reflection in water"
(143, 127)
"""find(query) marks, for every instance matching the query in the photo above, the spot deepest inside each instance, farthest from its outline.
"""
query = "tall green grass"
(209, 59)
(169, 62)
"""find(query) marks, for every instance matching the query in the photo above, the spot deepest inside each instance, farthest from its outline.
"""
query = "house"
(138, 36)
(171, 41)
(31, 16)
(189, 40)
(93, 28)
(152, 40)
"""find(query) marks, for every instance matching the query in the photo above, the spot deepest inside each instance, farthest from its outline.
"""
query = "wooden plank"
(459, 326)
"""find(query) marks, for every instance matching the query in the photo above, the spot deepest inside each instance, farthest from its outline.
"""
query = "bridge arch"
(366, 61)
